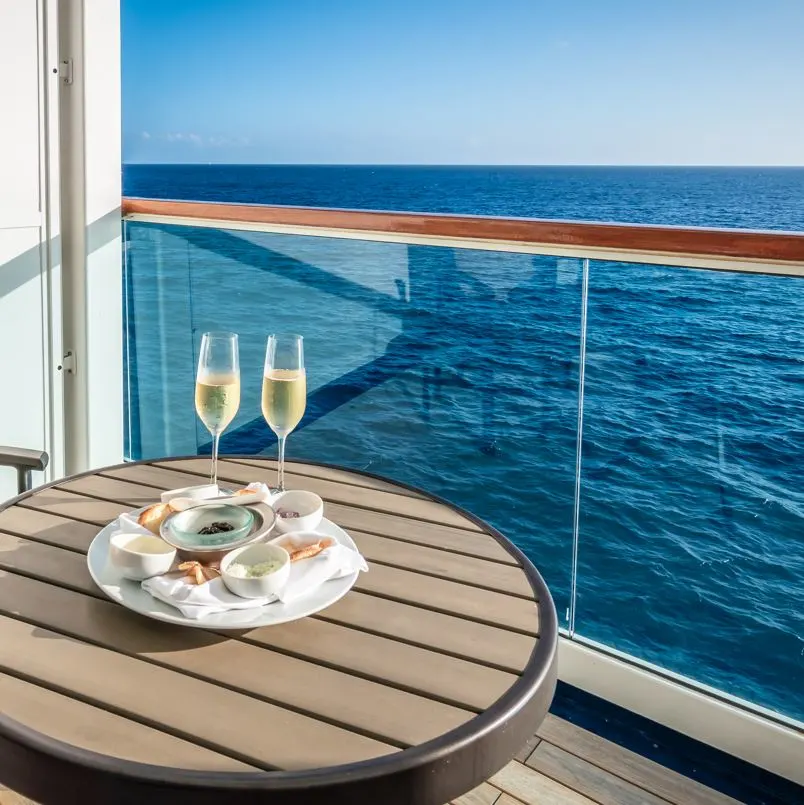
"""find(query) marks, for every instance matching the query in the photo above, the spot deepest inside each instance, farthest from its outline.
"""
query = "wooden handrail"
(737, 244)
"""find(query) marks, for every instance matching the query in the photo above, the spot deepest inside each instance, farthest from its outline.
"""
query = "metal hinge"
(68, 363)
(66, 70)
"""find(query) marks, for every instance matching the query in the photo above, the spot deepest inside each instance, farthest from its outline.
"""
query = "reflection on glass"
(690, 497)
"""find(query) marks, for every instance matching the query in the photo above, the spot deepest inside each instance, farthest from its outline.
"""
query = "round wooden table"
(419, 684)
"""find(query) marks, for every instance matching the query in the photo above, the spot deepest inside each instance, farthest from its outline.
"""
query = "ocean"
(457, 370)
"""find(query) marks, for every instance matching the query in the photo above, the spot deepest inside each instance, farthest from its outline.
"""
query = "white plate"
(130, 595)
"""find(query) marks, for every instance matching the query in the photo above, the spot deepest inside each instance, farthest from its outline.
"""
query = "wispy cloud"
(196, 139)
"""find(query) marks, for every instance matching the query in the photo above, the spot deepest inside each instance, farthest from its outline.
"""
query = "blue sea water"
(458, 370)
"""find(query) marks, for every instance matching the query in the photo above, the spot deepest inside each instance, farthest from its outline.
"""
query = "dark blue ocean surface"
(753, 198)
(457, 370)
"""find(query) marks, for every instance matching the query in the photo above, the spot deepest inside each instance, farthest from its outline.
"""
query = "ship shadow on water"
(448, 301)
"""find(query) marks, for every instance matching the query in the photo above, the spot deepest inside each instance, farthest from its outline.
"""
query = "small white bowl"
(135, 561)
(309, 506)
(261, 586)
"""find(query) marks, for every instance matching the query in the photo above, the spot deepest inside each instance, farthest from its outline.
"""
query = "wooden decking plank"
(96, 730)
(504, 649)
(76, 507)
(13, 798)
(50, 528)
(484, 794)
(443, 564)
(331, 474)
(507, 799)
(262, 734)
(530, 786)
(581, 776)
(524, 753)
(451, 597)
(421, 509)
(628, 765)
(357, 704)
(461, 682)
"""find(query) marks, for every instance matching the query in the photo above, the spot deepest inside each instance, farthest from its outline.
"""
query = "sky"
(591, 82)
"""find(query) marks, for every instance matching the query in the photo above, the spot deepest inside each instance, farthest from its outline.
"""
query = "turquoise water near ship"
(457, 371)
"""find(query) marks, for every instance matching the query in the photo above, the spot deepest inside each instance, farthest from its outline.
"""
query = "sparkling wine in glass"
(217, 387)
(284, 391)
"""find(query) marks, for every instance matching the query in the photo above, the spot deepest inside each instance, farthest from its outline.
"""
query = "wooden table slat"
(480, 642)
(451, 597)
(403, 585)
(464, 683)
(470, 570)
(434, 535)
(418, 508)
(361, 705)
(46, 562)
(184, 707)
(336, 474)
(45, 527)
(445, 626)
(422, 559)
(79, 724)
(77, 507)
(425, 670)
(447, 538)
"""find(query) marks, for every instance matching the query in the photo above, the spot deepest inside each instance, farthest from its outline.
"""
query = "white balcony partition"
(60, 263)
(30, 408)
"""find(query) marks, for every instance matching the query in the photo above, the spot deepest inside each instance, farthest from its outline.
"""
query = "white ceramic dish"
(262, 586)
(131, 595)
(134, 563)
(309, 506)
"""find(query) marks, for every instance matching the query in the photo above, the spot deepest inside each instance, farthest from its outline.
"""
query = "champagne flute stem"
(213, 478)
(281, 465)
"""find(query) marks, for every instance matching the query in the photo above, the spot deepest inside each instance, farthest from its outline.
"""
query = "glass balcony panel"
(690, 548)
(455, 370)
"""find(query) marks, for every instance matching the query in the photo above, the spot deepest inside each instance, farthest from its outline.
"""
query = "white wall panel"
(19, 114)
(24, 362)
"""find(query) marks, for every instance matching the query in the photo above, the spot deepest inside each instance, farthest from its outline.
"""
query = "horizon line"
(459, 165)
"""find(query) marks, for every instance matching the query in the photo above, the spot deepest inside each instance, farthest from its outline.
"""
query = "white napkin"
(126, 524)
(199, 601)
(308, 575)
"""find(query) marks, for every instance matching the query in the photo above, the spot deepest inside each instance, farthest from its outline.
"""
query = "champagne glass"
(284, 391)
(217, 387)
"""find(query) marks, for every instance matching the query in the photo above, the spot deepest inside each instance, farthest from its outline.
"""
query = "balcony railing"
(625, 402)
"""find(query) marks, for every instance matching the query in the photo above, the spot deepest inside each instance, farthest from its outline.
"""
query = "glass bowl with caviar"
(207, 533)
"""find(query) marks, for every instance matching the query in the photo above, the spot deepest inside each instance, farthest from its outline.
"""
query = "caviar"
(216, 528)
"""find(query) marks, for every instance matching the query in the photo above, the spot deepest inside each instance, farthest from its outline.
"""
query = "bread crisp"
(153, 516)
